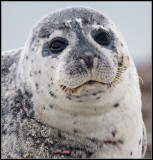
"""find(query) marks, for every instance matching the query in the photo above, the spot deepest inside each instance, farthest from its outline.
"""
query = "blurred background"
(132, 18)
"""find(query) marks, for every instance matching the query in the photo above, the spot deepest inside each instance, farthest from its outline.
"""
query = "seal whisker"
(50, 101)
(40, 89)
(63, 91)
(117, 79)
(50, 92)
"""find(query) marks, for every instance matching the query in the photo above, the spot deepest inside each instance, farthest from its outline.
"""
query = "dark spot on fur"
(59, 135)
(98, 98)
(114, 132)
(49, 85)
(30, 75)
(80, 101)
(113, 46)
(94, 140)
(85, 20)
(51, 106)
(64, 87)
(52, 94)
(120, 141)
(143, 131)
(37, 86)
(5, 70)
(115, 55)
(131, 153)
(110, 142)
(32, 61)
(89, 154)
(113, 142)
(71, 73)
(75, 131)
(94, 94)
(28, 93)
(139, 141)
(4, 132)
(75, 115)
(119, 64)
(68, 97)
(142, 149)
(26, 57)
(116, 105)
(39, 71)
(98, 56)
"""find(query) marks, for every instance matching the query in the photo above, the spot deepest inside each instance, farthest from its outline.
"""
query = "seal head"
(83, 45)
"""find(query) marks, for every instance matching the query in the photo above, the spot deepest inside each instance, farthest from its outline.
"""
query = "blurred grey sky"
(132, 18)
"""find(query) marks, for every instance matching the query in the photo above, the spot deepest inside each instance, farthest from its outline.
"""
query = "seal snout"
(87, 70)
(88, 61)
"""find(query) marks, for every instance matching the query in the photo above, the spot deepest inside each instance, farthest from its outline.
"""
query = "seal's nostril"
(89, 61)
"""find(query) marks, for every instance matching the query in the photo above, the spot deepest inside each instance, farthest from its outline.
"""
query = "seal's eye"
(102, 37)
(58, 44)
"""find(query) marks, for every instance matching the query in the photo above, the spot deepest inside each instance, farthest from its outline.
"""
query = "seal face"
(76, 66)
(86, 45)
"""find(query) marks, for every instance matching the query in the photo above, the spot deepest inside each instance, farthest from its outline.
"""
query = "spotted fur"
(51, 105)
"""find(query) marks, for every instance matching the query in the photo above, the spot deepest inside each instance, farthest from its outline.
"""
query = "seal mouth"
(73, 90)
(91, 82)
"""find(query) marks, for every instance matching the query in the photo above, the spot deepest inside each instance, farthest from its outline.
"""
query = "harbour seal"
(72, 91)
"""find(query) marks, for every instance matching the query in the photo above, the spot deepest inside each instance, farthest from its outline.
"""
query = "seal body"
(73, 86)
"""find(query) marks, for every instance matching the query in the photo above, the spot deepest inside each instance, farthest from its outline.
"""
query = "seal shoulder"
(9, 61)
(11, 52)
(9, 64)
